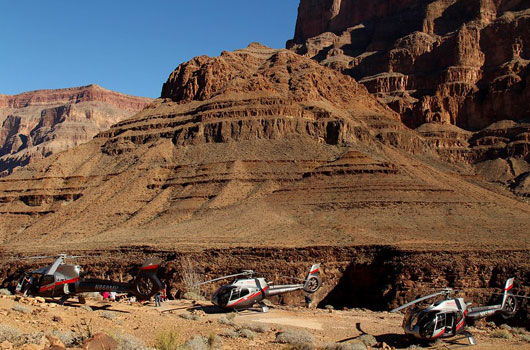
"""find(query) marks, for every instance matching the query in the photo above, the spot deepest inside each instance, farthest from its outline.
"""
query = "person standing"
(157, 299)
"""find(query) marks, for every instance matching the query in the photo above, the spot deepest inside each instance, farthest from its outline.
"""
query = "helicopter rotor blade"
(442, 292)
(244, 273)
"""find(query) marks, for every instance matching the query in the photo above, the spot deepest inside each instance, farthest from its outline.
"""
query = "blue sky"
(128, 46)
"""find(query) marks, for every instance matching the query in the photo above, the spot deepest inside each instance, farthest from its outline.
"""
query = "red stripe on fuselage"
(249, 297)
(436, 336)
(510, 287)
(150, 267)
(45, 288)
(314, 271)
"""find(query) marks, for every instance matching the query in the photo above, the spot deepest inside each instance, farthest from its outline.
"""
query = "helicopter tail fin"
(146, 284)
(312, 281)
(509, 303)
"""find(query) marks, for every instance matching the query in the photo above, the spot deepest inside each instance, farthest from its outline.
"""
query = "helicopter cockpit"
(431, 324)
(229, 293)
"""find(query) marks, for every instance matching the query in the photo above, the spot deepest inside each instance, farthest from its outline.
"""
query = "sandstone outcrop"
(464, 63)
(256, 147)
(37, 124)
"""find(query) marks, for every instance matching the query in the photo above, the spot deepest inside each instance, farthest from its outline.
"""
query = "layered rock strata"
(37, 124)
(464, 63)
(256, 147)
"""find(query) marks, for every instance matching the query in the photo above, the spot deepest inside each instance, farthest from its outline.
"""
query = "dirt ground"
(146, 322)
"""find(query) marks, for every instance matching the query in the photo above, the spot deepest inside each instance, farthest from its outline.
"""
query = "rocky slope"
(464, 63)
(257, 147)
(37, 124)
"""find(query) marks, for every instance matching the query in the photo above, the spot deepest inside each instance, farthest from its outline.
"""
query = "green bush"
(526, 338)
(4, 291)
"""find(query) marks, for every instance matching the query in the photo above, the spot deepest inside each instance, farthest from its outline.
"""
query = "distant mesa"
(39, 123)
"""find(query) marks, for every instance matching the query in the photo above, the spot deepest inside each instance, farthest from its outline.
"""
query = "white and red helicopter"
(243, 293)
(447, 318)
(64, 281)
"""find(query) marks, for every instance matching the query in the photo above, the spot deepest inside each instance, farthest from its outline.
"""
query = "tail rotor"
(313, 282)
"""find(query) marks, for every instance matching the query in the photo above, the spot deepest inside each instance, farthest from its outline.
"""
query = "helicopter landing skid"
(264, 308)
(466, 335)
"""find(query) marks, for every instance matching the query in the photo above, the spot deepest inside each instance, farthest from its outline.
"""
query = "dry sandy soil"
(146, 322)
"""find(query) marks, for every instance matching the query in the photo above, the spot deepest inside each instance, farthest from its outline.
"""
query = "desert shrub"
(526, 338)
(329, 307)
(212, 342)
(519, 330)
(299, 347)
(346, 346)
(229, 333)
(129, 342)
(168, 340)
(68, 338)
(190, 316)
(193, 296)
(11, 334)
(501, 333)
(258, 328)
(5, 291)
(30, 338)
(86, 307)
(367, 339)
(92, 295)
(109, 315)
(189, 274)
(505, 326)
(22, 309)
(227, 320)
(295, 337)
(247, 333)
(491, 324)
(414, 347)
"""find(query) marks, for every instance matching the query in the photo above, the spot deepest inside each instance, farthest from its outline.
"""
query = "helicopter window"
(224, 296)
(244, 292)
(47, 279)
(440, 321)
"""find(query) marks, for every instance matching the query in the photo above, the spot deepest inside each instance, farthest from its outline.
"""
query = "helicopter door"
(450, 319)
(440, 322)
(238, 293)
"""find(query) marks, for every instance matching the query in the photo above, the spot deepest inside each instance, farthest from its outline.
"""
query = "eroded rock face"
(464, 63)
(257, 147)
(37, 124)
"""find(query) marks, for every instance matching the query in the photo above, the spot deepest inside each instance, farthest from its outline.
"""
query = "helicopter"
(65, 280)
(447, 318)
(243, 293)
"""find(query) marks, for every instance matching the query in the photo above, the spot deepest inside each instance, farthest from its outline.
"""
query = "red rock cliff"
(459, 62)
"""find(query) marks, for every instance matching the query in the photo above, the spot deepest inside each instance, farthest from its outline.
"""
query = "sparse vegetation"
(227, 319)
(346, 346)
(501, 333)
(212, 342)
(108, 315)
(295, 337)
(526, 338)
(129, 342)
(168, 340)
(505, 326)
(519, 330)
(414, 347)
(258, 328)
(68, 338)
(92, 295)
(247, 333)
(190, 278)
(22, 309)
(8, 333)
(367, 339)
(229, 333)
(5, 291)
(190, 316)
(329, 307)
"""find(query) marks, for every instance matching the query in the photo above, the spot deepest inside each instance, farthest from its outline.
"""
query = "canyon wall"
(442, 62)
(36, 124)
